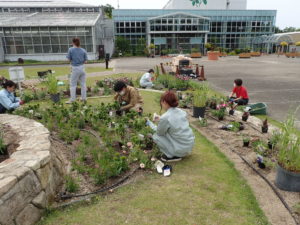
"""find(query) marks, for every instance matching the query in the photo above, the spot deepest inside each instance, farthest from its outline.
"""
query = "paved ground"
(269, 79)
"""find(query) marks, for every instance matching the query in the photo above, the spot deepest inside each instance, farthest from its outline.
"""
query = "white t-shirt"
(146, 78)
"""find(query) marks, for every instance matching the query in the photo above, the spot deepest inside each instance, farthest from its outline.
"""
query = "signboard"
(16, 74)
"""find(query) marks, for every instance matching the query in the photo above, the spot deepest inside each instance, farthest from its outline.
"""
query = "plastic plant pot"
(264, 130)
(231, 112)
(55, 97)
(246, 143)
(286, 180)
(198, 112)
(245, 118)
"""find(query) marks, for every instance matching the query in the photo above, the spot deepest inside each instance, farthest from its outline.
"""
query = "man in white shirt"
(146, 80)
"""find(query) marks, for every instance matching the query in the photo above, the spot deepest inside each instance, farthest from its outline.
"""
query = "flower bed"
(104, 145)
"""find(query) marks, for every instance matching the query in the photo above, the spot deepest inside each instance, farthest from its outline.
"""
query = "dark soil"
(11, 140)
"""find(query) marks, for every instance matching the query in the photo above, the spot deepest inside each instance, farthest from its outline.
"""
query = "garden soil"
(11, 140)
(227, 141)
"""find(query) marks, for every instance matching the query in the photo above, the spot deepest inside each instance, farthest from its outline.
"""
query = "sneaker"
(167, 159)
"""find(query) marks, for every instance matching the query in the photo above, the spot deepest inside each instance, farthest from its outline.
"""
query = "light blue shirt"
(146, 78)
(77, 56)
(8, 100)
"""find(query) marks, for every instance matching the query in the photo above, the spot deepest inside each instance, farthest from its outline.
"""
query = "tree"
(198, 2)
(108, 10)
(289, 29)
(278, 30)
(122, 45)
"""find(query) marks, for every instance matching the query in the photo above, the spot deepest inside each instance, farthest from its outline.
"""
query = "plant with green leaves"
(71, 184)
(2, 145)
(198, 2)
(200, 95)
(289, 146)
(52, 85)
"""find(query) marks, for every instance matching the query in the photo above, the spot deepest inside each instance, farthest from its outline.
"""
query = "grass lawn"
(34, 62)
(31, 73)
(203, 189)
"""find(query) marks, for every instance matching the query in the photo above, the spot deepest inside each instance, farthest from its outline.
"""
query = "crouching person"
(8, 101)
(128, 97)
(173, 135)
(146, 79)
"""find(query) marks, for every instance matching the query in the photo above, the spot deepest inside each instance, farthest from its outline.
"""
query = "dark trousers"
(2, 109)
(240, 101)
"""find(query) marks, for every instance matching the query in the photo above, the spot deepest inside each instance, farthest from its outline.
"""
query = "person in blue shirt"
(8, 101)
(77, 56)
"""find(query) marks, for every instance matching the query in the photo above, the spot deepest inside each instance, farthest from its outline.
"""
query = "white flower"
(142, 165)
(200, 118)
(153, 159)
(30, 111)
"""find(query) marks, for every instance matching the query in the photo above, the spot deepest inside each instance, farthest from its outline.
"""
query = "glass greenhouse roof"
(48, 19)
(41, 3)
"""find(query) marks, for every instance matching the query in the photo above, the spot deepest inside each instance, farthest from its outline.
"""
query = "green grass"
(31, 73)
(35, 62)
(204, 188)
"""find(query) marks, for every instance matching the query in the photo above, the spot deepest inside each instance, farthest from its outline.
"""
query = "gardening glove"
(22, 102)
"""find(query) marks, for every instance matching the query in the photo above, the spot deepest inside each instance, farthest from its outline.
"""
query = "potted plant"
(219, 113)
(265, 127)
(53, 88)
(288, 169)
(231, 111)
(274, 140)
(199, 101)
(195, 53)
(245, 116)
(246, 141)
(211, 54)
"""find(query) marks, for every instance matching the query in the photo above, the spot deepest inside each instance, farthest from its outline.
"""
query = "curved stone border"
(30, 177)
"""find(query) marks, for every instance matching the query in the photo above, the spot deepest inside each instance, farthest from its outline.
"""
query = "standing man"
(77, 56)
(146, 79)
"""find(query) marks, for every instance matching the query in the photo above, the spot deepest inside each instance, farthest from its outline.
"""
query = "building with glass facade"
(43, 30)
(184, 29)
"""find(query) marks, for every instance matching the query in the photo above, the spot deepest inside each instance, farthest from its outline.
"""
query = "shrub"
(71, 184)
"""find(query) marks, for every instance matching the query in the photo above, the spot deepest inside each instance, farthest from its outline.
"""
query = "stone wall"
(30, 178)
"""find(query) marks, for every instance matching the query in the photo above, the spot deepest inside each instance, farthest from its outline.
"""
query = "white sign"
(16, 74)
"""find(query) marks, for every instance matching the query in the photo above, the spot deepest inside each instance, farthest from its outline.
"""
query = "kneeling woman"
(8, 101)
(173, 135)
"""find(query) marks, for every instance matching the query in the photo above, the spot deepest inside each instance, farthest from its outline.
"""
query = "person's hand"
(156, 117)
(22, 102)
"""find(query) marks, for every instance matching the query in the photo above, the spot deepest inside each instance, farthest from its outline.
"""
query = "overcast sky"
(287, 10)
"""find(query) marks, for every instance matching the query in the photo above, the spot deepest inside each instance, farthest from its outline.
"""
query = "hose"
(117, 184)
(260, 174)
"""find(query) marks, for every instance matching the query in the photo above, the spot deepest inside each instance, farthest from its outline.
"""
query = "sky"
(287, 10)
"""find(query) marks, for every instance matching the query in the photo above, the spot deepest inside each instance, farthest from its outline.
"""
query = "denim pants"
(78, 74)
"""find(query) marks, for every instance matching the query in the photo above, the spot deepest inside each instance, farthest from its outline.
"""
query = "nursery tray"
(258, 109)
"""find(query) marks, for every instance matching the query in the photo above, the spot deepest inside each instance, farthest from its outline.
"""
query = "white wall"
(211, 4)
(45, 58)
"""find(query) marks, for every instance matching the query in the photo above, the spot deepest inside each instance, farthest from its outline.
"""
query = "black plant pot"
(213, 106)
(246, 143)
(287, 181)
(220, 117)
(242, 127)
(261, 165)
(270, 145)
(264, 130)
(198, 111)
(245, 118)
(55, 97)
(231, 112)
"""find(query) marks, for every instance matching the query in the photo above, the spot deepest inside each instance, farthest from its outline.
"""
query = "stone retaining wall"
(29, 179)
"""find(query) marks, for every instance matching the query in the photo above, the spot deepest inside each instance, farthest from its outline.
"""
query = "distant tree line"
(286, 30)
